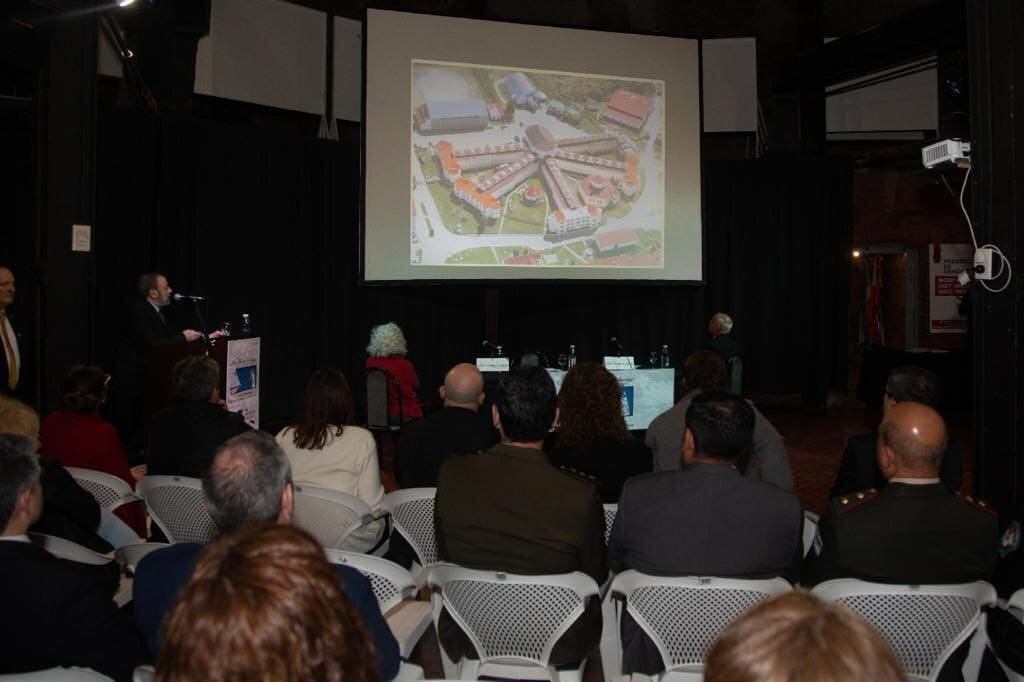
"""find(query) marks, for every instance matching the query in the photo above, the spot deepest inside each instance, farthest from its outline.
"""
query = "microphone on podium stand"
(491, 348)
(187, 297)
(617, 347)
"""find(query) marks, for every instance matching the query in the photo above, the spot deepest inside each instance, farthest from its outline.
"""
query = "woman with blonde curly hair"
(263, 603)
(592, 436)
(387, 351)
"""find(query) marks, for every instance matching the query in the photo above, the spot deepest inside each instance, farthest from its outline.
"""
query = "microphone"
(619, 350)
(187, 297)
(489, 347)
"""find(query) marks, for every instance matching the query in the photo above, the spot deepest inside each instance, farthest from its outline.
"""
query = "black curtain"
(267, 223)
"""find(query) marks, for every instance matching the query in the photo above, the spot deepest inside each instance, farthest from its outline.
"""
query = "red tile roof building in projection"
(575, 207)
(628, 109)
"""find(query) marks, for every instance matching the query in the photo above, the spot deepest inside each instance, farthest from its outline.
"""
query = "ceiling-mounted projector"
(956, 152)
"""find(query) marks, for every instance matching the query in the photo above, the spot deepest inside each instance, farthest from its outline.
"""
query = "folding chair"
(110, 491)
(176, 505)
(412, 513)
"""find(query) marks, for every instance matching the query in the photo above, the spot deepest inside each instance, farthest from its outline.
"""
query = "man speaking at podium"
(147, 327)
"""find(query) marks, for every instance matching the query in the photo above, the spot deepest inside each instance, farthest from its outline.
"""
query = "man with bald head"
(913, 531)
(456, 429)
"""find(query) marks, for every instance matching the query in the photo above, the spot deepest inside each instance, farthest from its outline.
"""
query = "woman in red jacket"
(387, 351)
(78, 436)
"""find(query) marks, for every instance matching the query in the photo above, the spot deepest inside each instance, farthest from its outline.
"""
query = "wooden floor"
(814, 441)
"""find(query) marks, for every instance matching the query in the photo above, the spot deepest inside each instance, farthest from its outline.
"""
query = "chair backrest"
(412, 513)
(683, 616)
(924, 624)
(736, 375)
(379, 385)
(390, 582)
(65, 549)
(176, 505)
(328, 515)
(507, 617)
(71, 674)
(610, 512)
(1016, 600)
(810, 530)
(110, 491)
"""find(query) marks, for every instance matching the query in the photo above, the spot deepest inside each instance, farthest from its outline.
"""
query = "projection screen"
(509, 151)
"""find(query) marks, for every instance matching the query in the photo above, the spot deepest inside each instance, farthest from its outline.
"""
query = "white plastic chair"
(395, 590)
(328, 515)
(412, 513)
(810, 530)
(176, 505)
(110, 491)
(72, 674)
(924, 624)
(1015, 605)
(129, 556)
(65, 549)
(610, 512)
(513, 621)
(683, 616)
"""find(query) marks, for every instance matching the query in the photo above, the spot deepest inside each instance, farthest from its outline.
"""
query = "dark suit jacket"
(609, 464)
(426, 442)
(726, 346)
(858, 470)
(69, 511)
(185, 436)
(508, 509)
(705, 520)
(61, 613)
(906, 534)
(162, 574)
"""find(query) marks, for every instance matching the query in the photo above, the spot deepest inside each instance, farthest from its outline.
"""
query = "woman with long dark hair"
(592, 436)
(324, 449)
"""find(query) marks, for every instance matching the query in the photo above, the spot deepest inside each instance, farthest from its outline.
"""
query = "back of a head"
(327, 404)
(526, 404)
(194, 378)
(85, 388)
(590, 407)
(246, 480)
(914, 384)
(705, 370)
(19, 471)
(916, 433)
(463, 385)
(386, 340)
(17, 417)
(796, 637)
(722, 425)
(263, 603)
(724, 322)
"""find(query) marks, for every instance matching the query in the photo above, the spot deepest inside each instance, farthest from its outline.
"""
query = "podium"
(237, 381)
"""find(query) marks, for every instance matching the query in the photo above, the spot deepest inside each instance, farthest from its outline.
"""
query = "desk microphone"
(187, 297)
(619, 350)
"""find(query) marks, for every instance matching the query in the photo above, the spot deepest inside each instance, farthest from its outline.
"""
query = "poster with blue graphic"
(242, 394)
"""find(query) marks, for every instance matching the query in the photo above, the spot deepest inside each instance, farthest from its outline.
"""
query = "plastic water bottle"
(246, 326)
(666, 360)
(572, 356)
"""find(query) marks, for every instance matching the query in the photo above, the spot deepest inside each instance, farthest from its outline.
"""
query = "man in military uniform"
(509, 509)
(913, 531)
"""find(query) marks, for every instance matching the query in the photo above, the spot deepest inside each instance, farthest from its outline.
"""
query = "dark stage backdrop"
(267, 223)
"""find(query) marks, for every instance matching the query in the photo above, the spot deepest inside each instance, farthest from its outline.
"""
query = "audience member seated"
(722, 340)
(705, 371)
(326, 452)
(457, 428)
(706, 519)
(264, 604)
(55, 612)
(914, 530)
(249, 481)
(77, 435)
(796, 636)
(183, 438)
(508, 509)
(70, 512)
(859, 470)
(387, 351)
(592, 437)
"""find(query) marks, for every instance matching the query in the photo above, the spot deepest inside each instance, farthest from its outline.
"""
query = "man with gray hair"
(249, 480)
(56, 612)
(722, 341)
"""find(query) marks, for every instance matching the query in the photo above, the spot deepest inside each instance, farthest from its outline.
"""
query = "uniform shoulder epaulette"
(845, 503)
(977, 503)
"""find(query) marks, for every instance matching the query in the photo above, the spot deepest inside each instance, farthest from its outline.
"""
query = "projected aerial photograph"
(534, 168)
